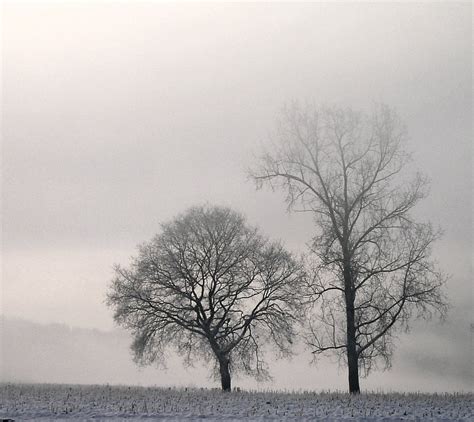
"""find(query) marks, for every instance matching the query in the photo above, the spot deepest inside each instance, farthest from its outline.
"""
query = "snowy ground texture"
(73, 402)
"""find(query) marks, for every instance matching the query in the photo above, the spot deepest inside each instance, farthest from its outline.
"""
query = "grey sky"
(117, 116)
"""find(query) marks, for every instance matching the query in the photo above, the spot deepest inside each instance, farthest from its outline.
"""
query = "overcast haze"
(118, 116)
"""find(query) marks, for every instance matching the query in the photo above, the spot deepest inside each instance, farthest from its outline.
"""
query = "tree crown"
(371, 259)
(209, 285)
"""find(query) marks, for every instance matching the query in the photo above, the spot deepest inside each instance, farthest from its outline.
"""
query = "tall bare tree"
(371, 258)
(210, 286)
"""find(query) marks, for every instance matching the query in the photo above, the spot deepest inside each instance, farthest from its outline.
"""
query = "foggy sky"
(117, 116)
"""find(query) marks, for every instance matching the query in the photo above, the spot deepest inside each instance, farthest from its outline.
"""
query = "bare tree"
(371, 258)
(210, 286)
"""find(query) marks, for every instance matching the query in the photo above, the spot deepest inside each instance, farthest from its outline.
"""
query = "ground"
(80, 402)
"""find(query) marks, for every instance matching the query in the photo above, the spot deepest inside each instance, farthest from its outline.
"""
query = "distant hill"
(431, 358)
(56, 353)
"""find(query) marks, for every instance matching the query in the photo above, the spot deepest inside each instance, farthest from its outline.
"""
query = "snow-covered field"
(66, 402)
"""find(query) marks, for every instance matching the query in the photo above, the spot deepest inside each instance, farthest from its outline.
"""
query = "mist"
(118, 116)
(57, 353)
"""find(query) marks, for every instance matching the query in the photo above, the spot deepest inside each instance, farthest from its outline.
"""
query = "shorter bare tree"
(210, 286)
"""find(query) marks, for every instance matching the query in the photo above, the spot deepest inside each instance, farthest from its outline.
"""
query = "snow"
(80, 402)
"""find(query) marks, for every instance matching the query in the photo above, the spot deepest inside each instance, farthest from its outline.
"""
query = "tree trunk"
(225, 373)
(352, 358)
